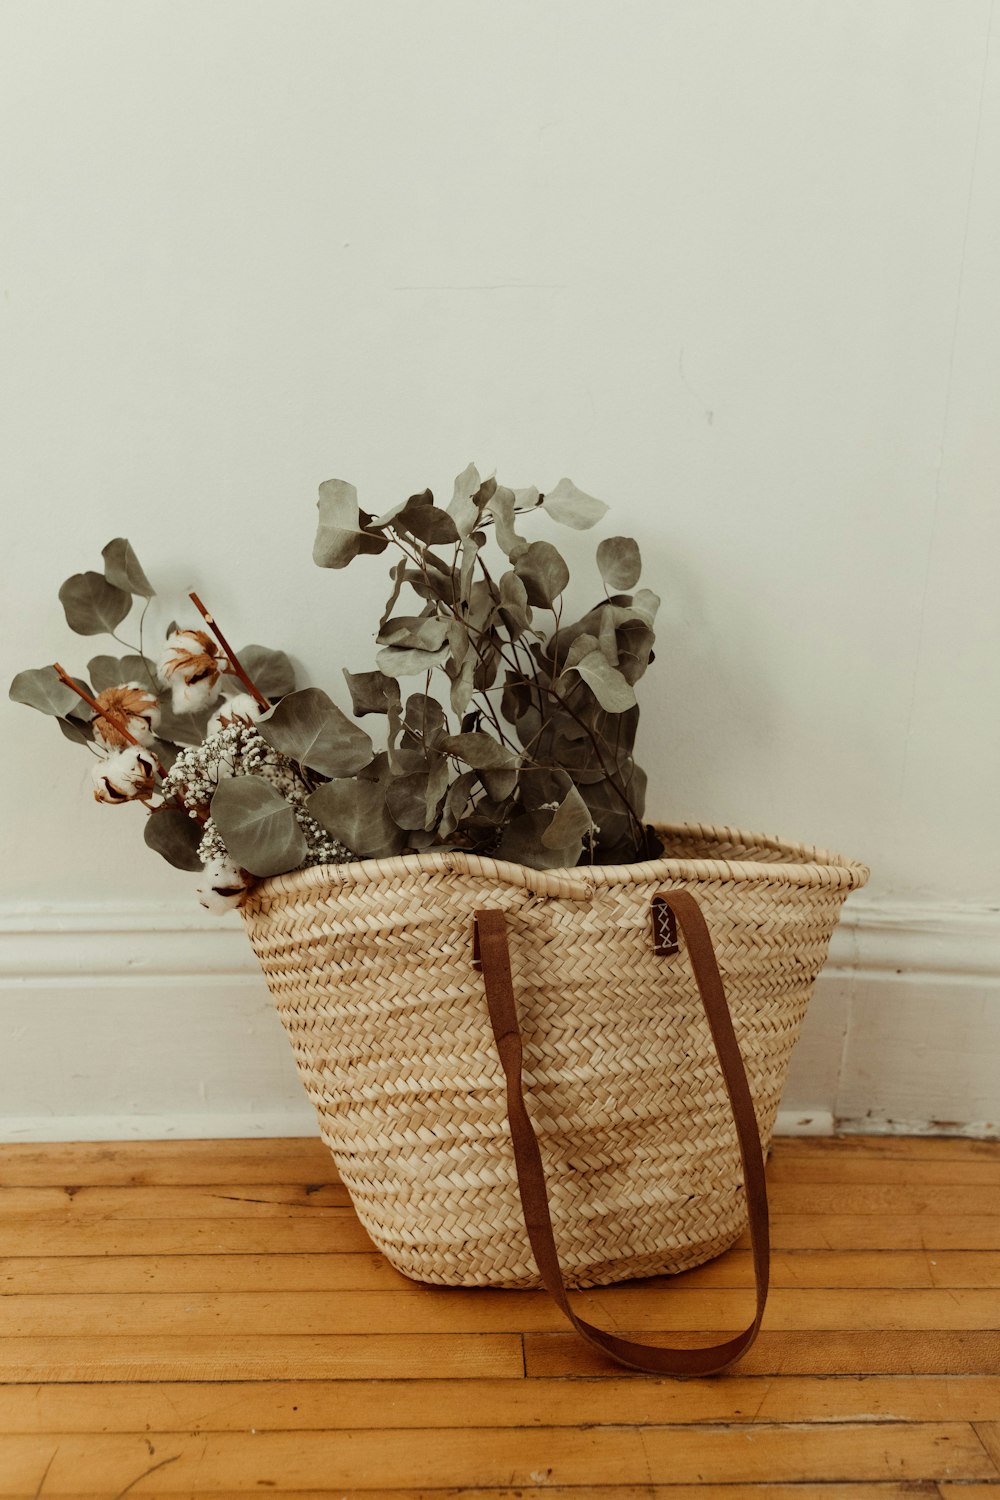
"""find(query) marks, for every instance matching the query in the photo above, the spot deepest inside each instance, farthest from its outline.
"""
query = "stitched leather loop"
(494, 959)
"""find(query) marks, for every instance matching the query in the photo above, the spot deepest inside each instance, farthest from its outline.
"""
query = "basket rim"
(809, 866)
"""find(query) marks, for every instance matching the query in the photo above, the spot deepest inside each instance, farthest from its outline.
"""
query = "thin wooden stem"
(234, 663)
(98, 710)
(109, 718)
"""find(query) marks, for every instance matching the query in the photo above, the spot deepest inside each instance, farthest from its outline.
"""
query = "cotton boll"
(131, 708)
(240, 709)
(190, 667)
(124, 775)
(192, 697)
(222, 886)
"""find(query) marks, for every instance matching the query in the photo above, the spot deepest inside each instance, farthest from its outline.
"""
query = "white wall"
(733, 268)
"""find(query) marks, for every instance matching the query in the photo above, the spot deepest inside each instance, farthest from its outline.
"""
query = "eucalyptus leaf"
(462, 684)
(572, 507)
(619, 561)
(413, 799)
(464, 510)
(187, 729)
(309, 728)
(397, 661)
(496, 764)
(501, 507)
(608, 638)
(44, 689)
(270, 671)
(398, 575)
(544, 573)
(77, 730)
(635, 648)
(340, 535)
(514, 608)
(457, 802)
(571, 824)
(480, 751)
(526, 499)
(422, 519)
(371, 692)
(122, 570)
(414, 632)
(607, 684)
(584, 645)
(522, 842)
(93, 606)
(355, 812)
(176, 835)
(406, 799)
(258, 827)
(646, 603)
(112, 671)
(426, 719)
(615, 841)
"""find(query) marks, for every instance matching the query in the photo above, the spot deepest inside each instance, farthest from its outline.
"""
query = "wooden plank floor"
(190, 1319)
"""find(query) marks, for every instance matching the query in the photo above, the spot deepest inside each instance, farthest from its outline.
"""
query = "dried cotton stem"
(234, 664)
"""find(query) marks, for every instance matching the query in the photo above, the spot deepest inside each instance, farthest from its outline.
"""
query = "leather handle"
(493, 956)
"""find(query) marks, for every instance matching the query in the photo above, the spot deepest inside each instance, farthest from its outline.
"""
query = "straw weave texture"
(370, 966)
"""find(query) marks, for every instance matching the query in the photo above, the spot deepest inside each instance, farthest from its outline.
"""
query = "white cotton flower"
(130, 707)
(191, 668)
(124, 775)
(222, 886)
(192, 697)
(241, 709)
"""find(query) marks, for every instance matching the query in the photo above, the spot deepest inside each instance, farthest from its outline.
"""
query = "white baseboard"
(144, 1022)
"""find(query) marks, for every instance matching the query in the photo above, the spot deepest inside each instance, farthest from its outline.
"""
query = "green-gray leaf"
(111, 671)
(496, 764)
(77, 730)
(571, 822)
(543, 572)
(501, 508)
(620, 562)
(397, 661)
(176, 836)
(257, 826)
(463, 509)
(413, 799)
(92, 604)
(522, 842)
(481, 751)
(122, 570)
(354, 811)
(270, 671)
(572, 507)
(606, 683)
(308, 727)
(421, 518)
(182, 729)
(44, 689)
(646, 603)
(457, 802)
(371, 692)
(414, 632)
(339, 535)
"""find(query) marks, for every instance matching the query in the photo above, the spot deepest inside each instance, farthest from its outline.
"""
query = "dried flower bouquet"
(517, 742)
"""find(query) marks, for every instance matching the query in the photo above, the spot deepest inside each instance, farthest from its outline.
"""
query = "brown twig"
(98, 710)
(111, 719)
(234, 663)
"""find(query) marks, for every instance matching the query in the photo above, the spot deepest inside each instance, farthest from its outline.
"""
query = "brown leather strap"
(494, 958)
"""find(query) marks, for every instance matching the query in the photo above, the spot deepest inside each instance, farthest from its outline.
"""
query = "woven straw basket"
(372, 970)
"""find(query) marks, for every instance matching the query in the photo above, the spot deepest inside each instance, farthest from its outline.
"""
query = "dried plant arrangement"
(507, 730)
